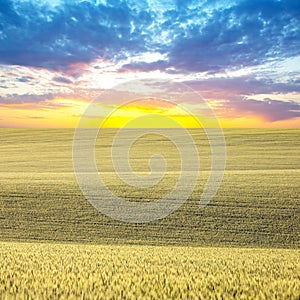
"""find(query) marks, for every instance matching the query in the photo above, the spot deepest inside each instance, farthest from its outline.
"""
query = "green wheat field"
(243, 245)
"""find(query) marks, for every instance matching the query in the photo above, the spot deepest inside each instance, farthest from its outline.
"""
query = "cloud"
(62, 79)
(25, 98)
(193, 36)
(25, 79)
(269, 109)
(242, 85)
(246, 34)
(144, 66)
(236, 97)
(35, 117)
(54, 38)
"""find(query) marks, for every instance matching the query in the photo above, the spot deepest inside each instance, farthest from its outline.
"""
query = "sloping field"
(257, 204)
(55, 245)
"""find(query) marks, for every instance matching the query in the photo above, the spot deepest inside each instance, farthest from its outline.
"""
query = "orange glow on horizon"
(65, 113)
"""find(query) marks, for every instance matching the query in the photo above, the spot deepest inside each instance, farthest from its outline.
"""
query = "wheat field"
(65, 271)
(243, 245)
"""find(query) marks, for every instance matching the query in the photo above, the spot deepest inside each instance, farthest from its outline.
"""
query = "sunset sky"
(242, 57)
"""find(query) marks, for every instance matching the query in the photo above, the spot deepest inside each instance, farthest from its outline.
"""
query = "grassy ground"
(256, 206)
(52, 271)
(228, 250)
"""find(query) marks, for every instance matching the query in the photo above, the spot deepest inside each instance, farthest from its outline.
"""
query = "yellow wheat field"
(255, 211)
(70, 271)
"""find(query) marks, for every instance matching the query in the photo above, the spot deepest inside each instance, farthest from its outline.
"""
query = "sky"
(57, 56)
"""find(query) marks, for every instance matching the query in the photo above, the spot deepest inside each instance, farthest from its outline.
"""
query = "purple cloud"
(270, 110)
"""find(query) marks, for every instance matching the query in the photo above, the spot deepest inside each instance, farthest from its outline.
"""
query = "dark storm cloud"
(202, 36)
